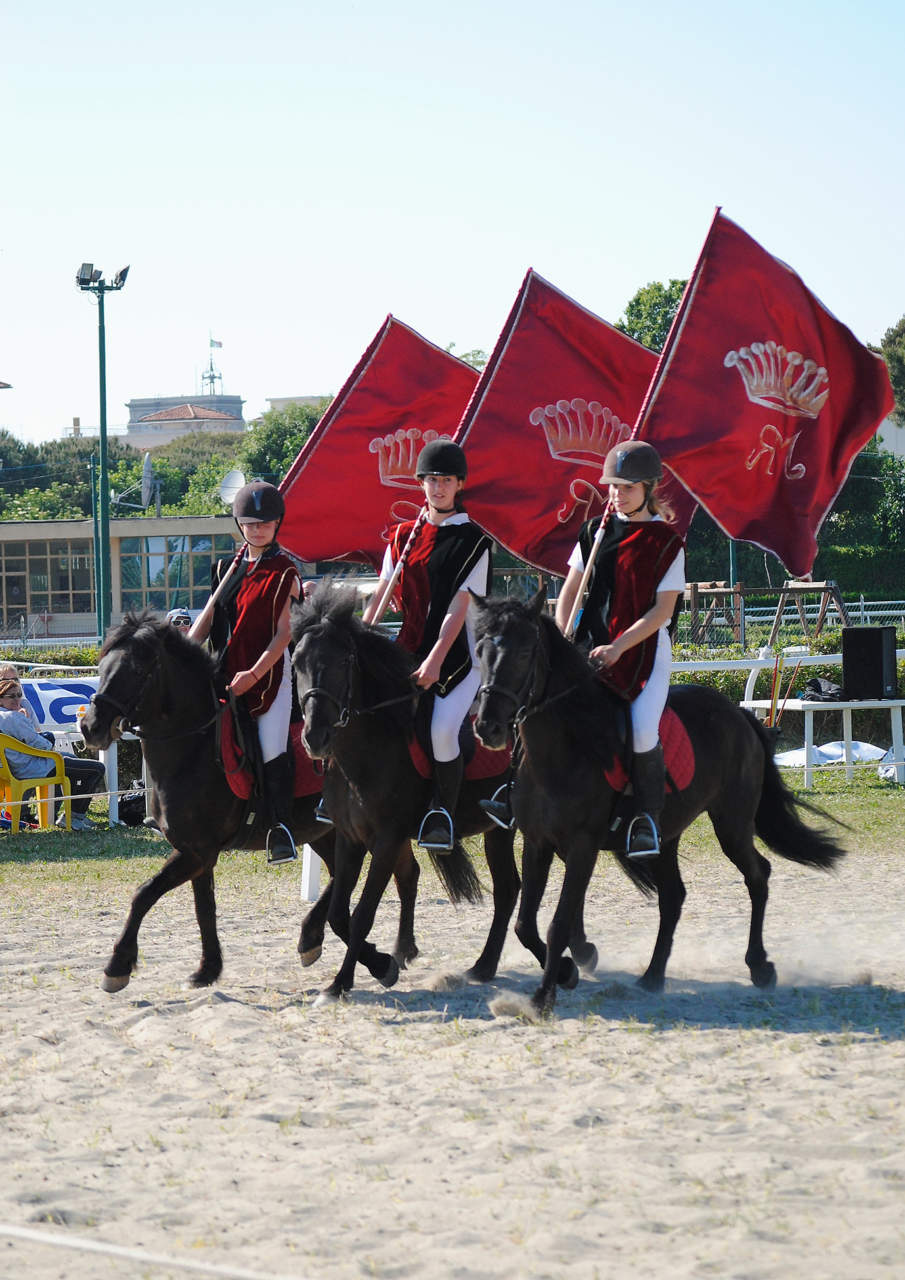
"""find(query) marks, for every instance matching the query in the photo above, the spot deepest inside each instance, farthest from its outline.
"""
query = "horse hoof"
(568, 974)
(309, 957)
(587, 960)
(764, 977)
(110, 983)
(654, 984)
(326, 999)
(391, 976)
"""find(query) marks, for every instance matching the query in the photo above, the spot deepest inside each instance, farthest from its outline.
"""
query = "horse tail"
(777, 820)
(639, 872)
(457, 874)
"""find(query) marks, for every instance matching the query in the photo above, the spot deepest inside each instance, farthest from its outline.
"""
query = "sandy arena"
(238, 1131)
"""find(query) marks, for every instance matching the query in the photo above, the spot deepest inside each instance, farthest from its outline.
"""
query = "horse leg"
(670, 897)
(383, 860)
(211, 965)
(311, 938)
(739, 848)
(498, 849)
(536, 859)
(580, 860)
(177, 869)
(584, 953)
(349, 859)
(407, 872)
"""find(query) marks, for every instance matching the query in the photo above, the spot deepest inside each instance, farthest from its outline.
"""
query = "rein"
(123, 724)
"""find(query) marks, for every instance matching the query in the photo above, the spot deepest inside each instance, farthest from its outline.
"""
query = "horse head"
(511, 653)
(324, 664)
(132, 677)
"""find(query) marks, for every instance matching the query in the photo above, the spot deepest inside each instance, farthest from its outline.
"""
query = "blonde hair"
(9, 671)
(658, 506)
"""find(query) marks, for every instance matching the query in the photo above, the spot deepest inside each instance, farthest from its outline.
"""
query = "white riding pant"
(273, 725)
(449, 712)
(648, 706)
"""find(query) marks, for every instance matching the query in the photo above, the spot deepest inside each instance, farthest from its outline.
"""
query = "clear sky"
(281, 175)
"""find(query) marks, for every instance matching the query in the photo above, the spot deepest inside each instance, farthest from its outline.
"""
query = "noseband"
(343, 705)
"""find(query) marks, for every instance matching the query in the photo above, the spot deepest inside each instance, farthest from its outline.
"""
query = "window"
(163, 572)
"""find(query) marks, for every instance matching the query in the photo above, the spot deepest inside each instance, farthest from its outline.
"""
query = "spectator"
(86, 776)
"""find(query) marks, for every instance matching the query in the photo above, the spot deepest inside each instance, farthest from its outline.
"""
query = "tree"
(892, 349)
(477, 357)
(269, 449)
(650, 313)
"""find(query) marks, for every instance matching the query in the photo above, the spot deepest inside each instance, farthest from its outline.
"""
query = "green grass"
(872, 809)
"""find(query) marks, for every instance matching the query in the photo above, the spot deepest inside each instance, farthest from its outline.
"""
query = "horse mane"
(149, 633)
(590, 707)
(386, 668)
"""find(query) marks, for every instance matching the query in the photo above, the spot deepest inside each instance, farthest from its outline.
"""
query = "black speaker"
(869, 663)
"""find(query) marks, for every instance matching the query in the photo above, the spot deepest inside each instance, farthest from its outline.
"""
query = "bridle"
(530, 699)
(346, 712)
(125, 714)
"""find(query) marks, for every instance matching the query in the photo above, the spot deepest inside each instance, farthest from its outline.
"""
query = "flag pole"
(386, 594)
(586, 575)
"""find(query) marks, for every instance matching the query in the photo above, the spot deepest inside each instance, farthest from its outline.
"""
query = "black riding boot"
(649, 786)
(499, 806)
(437, 827)
(278, 786)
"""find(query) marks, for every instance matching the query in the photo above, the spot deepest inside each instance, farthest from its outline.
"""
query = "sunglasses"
(181, 622)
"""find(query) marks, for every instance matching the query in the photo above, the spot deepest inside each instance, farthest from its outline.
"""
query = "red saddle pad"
(677, 752)
(483, 764)
(307, 782)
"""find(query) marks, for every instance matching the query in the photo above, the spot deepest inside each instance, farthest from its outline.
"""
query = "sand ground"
(713, 1130)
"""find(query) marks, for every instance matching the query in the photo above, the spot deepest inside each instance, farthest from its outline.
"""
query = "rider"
(449, 557)
(637, 577)
(249, 630)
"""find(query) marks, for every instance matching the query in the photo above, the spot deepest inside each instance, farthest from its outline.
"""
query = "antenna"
(230, 485)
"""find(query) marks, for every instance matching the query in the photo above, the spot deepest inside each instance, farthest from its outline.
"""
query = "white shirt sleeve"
(674, 577)
(477, 579)
(386, 569)
(576, 559)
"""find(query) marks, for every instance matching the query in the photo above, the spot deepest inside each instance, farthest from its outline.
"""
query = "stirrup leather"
(437, 811)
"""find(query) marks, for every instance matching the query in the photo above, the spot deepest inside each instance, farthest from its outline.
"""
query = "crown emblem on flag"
(579, 431)
(780, 379)
(397, 455)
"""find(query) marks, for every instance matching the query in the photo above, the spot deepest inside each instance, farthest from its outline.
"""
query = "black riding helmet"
(441, 458)
(258, 502)
(631, 461)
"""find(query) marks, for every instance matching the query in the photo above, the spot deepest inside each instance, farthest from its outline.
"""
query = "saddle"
(237, 743)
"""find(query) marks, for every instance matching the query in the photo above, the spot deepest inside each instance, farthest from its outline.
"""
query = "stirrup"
(321, 814)
(278, 851)
(644, 825)
(439, 844)
(499, 808)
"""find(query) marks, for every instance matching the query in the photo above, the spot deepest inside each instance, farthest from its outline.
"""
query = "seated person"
(9, 671)
(179, 618)
(86, 776)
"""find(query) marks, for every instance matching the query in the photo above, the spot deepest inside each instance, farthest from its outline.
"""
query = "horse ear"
(480, 601)
(539, 600)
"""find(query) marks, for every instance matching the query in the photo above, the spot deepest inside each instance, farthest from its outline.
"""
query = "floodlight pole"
(91, 281)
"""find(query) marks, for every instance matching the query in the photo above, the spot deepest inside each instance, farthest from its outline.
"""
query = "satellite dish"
(147, 481)
(230, 485)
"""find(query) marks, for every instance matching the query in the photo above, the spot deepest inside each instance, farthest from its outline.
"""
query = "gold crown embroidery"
(579, 431)
(397, 455)
(780, 379)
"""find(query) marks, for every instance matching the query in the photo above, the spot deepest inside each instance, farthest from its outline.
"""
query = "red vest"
(623, 587)
(253, 615)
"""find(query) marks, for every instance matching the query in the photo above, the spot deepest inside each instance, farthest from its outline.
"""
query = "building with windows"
(47, 571)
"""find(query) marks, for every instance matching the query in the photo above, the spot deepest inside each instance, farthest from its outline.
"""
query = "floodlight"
(120, 278)
(83, 279)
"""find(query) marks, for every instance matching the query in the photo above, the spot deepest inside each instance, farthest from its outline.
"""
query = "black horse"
(154, 677)
(532, 677)
(355, 688)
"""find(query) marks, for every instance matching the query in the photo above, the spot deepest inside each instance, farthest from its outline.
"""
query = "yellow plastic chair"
(13, 788)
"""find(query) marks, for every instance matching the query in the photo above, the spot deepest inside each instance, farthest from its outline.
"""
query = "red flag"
(354, 477)
(561, 388)
(762, 398)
